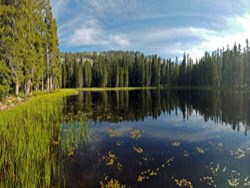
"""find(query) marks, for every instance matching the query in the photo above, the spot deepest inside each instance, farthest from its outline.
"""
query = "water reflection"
(222, 107)
(161, 138)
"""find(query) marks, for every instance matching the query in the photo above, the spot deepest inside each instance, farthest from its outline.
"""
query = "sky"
(167, 28)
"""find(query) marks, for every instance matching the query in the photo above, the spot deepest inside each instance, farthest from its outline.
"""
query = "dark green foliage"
(30, 59)
(117, 69)
(29, 51)
(221, 68)
(4, 80)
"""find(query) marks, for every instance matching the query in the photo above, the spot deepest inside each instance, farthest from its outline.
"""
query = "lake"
(138, 138)
(161, 138)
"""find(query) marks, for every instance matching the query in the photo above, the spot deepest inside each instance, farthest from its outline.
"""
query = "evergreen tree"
(79, 80)
(88, 74)
(24, 41)
(11, 40)
(182, 73)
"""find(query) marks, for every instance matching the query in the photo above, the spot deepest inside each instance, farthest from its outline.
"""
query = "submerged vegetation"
(32, 141)
(150, 165)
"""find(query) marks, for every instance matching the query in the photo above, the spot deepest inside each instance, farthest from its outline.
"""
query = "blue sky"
(163, 27)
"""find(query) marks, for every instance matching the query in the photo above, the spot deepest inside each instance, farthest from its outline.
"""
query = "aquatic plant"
(30, 145)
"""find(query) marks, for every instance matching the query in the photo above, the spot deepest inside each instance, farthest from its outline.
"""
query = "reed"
(32, 142)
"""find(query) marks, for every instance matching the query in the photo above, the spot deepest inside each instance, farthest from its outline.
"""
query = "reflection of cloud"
(193, 130)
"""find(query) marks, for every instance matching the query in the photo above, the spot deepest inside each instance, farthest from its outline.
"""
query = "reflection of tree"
(219, 106)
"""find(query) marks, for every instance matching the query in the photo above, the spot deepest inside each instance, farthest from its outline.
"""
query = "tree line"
(117, 69)
(228, 68)
(29, 53)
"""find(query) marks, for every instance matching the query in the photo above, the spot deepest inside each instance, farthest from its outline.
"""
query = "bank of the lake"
(35, 137)
(118, 88)
(12, 102)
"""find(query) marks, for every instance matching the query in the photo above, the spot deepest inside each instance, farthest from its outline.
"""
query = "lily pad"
(138, 149)
(114, 133)
(200, 150)
(176, 144)
(183, 183)
(207, 180)
(233, 182)
(135, 134)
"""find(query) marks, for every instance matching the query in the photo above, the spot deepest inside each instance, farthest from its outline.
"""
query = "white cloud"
(58, 7)
(75, 31)
(92, 34)
(115, 6)
(237, 31)
(119, 39)
(86, 36)
(166, 41)
(169, 42)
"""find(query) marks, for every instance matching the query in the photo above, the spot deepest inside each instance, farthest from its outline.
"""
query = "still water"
(161, 138)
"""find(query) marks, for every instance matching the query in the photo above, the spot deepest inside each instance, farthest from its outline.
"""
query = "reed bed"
(32, 142)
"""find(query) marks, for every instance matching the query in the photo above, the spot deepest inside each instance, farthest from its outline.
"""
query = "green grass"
(31, 141)
(115, 88)
(38, 96)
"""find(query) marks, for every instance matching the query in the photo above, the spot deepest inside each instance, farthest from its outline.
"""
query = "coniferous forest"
(227, 68)
(31, 60)
(29, 53)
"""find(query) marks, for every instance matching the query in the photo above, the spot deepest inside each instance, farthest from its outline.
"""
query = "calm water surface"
(162, 138)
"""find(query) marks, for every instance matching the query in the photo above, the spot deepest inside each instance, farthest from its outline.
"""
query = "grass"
(115, 88)
(57, 93)
(31, 141)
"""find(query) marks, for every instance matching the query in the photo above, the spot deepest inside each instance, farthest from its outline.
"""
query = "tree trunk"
(48, 69)
(48, 84)
(28, 87)
(51, 83)
(37, 88)
(17, 89)
(42, 83)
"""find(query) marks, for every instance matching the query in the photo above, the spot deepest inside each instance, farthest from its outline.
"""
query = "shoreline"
(13, 102)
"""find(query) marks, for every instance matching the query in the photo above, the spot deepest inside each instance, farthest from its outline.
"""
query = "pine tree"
(4, 80)
(10, 45)
(117, 81)
(79, 78)
(87, 74)
(126, 77)
(182, 72)
(53, 61)
(104, 80)
(56, 78)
